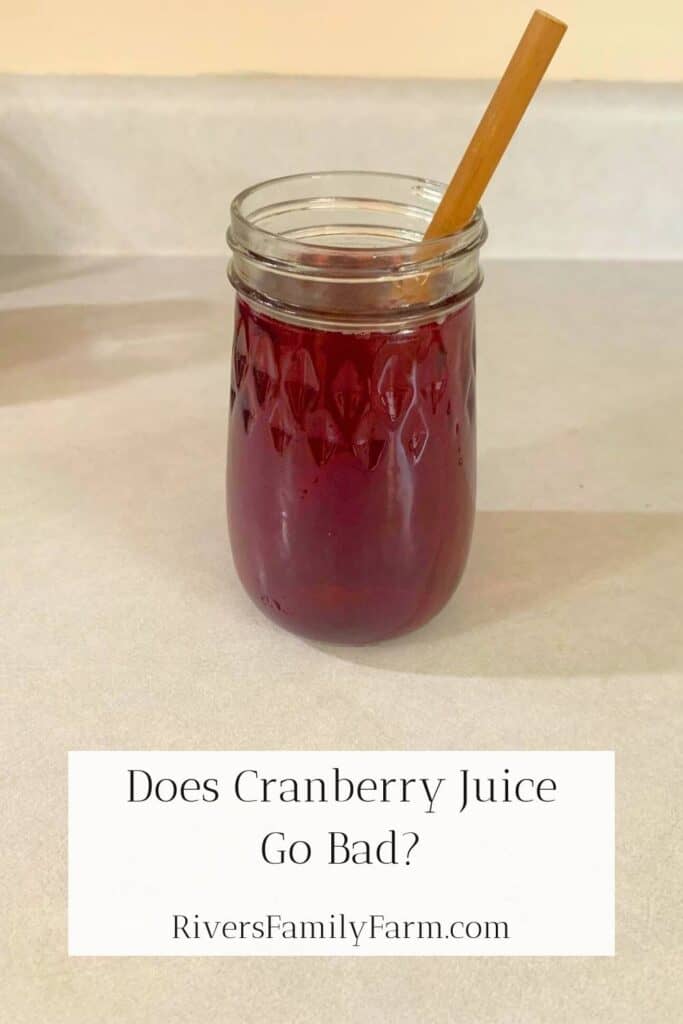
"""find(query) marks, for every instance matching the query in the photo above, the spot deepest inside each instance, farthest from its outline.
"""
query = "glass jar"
(351, 453)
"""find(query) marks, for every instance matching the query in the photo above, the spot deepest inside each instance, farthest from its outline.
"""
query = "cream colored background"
(608, 39)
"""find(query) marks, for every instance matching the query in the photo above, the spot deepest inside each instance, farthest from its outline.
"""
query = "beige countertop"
(123, 625)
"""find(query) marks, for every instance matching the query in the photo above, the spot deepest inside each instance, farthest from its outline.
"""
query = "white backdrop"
(136, 165)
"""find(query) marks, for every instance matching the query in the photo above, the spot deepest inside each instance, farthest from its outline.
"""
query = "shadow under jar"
(351, 450)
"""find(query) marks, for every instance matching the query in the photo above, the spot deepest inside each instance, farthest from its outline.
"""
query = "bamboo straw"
(522, 77)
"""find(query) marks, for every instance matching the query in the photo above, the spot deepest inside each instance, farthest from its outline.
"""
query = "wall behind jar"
(608, 39)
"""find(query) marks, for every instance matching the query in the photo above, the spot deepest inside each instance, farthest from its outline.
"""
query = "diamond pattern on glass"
(247, 416)
(240, 354)
(414, 434)
(395, 387)
(348, 393)
(301, 383)
(282, 427)
(434, 375)
(263, 365)
(324, 436)
(370, 441)
(356, 405)
(470, 394)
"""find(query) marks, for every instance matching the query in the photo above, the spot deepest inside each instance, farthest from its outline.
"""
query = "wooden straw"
(508, 103)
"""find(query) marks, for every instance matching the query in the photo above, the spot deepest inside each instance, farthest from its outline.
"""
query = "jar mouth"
(346, 248)
(347, 223)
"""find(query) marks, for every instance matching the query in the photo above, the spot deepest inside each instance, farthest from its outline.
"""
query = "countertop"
(123, 625)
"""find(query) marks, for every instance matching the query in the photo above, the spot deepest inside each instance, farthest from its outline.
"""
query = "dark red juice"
(351, 472)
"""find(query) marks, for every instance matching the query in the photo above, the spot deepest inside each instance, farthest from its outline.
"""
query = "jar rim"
(245, 234)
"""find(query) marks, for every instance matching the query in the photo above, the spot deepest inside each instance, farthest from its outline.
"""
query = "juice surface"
(351, 472)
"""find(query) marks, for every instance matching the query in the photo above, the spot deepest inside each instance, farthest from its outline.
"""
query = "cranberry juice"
(351, 471)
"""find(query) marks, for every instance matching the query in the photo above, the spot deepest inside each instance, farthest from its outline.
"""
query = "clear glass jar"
(351, 453)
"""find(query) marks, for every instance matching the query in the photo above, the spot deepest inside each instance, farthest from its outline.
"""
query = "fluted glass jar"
(351, 453)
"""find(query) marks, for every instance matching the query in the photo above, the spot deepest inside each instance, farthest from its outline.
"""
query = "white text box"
(345, 853)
